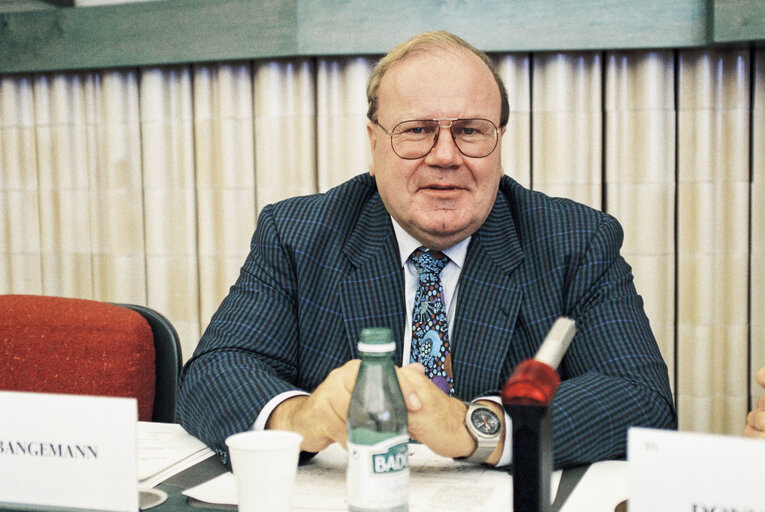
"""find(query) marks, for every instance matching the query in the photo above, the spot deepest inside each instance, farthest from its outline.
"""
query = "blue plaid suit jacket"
(323, 267)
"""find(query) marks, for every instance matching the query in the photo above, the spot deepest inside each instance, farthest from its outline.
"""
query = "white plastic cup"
(264, 464)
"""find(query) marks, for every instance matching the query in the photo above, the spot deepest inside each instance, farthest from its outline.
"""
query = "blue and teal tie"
(430, 331)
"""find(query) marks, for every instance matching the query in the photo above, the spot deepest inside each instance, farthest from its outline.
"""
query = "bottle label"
(378, 474)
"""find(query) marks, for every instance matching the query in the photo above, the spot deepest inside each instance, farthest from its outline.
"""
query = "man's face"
(445, 196)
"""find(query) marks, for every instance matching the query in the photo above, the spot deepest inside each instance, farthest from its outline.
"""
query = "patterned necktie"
(430, 332)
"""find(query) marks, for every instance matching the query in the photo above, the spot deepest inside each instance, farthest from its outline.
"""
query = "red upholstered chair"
(78, 346)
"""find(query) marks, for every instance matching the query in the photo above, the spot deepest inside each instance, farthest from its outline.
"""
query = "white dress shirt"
(450, 276)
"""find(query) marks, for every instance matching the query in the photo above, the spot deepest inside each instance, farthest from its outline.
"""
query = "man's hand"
(319, 417)
(755, 420)
(437, 420)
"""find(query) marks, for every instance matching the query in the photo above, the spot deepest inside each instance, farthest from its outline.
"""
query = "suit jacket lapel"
(372, 295)
(488, 304)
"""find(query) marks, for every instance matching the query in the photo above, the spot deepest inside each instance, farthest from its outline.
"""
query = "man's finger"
(339, 404)
(760, 376)
(418, 367)
(348, 372)
(757, 419)
(337, 431)
(335, 392)
(407, 378)
(753, 433)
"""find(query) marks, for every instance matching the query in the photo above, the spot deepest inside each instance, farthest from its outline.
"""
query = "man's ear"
(372, 145)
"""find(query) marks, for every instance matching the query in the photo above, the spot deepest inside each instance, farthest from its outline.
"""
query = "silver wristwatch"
(485, 426)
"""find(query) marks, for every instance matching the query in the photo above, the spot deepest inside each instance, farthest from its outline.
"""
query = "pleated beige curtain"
(144, 185)
(639, 108)
(757, 266)
(64, 138)
(713, 239)
(171, 198)
(566, 144)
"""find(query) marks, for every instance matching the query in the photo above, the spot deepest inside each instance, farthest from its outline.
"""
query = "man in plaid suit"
(281, 350)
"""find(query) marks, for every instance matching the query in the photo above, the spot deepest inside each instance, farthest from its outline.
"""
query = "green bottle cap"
(376, 340)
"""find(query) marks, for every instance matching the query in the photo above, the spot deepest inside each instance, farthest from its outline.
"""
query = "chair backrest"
(168, 357)
(79, 346)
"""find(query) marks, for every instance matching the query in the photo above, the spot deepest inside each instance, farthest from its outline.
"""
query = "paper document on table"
(436, 483)
(604, 486)
(164, 450)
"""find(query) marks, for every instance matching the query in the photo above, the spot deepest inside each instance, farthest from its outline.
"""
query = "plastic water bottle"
(378, 436)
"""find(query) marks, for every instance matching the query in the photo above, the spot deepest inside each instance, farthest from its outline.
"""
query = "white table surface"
(436, 484)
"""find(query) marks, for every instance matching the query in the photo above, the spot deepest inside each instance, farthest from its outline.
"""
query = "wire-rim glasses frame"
(412, 139)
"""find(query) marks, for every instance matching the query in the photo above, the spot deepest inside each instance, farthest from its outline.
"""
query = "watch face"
(485, 421)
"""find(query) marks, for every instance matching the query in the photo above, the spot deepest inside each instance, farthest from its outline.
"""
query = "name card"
(68, 451)
(693, 472)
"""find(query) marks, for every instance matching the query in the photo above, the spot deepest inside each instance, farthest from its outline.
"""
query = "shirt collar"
(407, 244)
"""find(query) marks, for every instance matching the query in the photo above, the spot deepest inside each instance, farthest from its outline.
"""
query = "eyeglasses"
(475, 138)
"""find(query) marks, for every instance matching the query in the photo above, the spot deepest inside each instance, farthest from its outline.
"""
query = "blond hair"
(436, 39)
